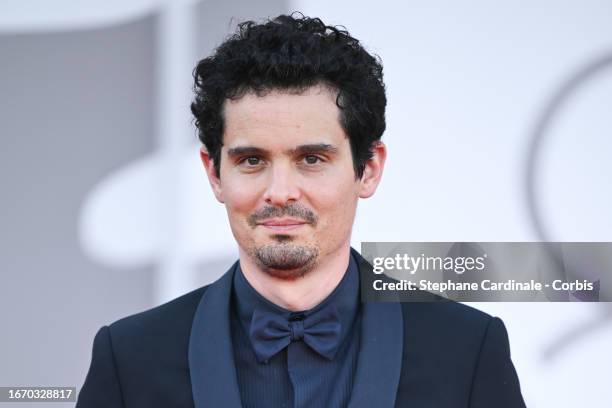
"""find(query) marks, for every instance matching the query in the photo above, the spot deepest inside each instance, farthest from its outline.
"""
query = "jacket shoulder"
(163, 328)
(447, 317)
(141, 360)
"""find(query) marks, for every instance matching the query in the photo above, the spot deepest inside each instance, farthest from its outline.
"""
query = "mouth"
(283, 224)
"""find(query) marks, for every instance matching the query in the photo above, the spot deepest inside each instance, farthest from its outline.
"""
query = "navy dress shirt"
(296, 376)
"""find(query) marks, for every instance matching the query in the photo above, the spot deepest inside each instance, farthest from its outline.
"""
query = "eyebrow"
(302, 149)
(245, 151)
(314, 148)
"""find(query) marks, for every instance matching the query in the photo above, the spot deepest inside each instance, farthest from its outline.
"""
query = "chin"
(284, 258)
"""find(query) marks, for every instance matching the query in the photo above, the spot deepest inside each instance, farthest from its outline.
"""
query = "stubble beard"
(284, 259)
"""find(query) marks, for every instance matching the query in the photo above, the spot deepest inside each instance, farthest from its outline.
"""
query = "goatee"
(285, 260)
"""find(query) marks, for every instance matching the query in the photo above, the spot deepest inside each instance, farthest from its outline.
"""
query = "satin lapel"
(211, 358)
(380, 353)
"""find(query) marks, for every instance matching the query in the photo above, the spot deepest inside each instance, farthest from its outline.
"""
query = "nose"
(282, 186)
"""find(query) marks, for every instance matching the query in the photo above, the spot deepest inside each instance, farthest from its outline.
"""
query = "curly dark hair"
(292, 52)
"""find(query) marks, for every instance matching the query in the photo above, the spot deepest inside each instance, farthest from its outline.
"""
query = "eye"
(251, 163)
(253, 160)
(312, 159)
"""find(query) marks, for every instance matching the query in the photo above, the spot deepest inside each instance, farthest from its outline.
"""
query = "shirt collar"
(345, 297)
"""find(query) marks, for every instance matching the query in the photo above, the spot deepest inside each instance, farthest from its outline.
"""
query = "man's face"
(287, 179)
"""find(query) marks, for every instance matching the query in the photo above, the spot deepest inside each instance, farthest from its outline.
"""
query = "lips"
(283, 224)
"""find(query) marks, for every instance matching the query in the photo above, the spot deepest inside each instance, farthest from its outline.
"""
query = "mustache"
(291, 210)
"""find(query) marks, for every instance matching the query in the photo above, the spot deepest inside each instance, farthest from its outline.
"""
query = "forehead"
(283, 119)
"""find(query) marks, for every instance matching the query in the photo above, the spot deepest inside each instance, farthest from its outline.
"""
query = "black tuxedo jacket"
(417, 354)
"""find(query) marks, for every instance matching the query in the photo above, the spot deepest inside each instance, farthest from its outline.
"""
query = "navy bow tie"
(271, 332)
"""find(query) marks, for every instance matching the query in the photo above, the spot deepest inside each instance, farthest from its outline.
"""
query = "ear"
(209, 166)
(372, 173)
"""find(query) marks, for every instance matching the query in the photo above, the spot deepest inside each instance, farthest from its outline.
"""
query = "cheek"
(240, 201)
(335, 203)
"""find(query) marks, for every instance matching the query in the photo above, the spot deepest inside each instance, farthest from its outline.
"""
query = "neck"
(302, 293)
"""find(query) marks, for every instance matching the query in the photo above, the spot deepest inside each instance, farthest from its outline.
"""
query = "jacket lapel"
(211, 358)
(380, 354)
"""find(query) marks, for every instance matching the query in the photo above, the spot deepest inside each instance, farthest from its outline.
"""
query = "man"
(291, 113)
